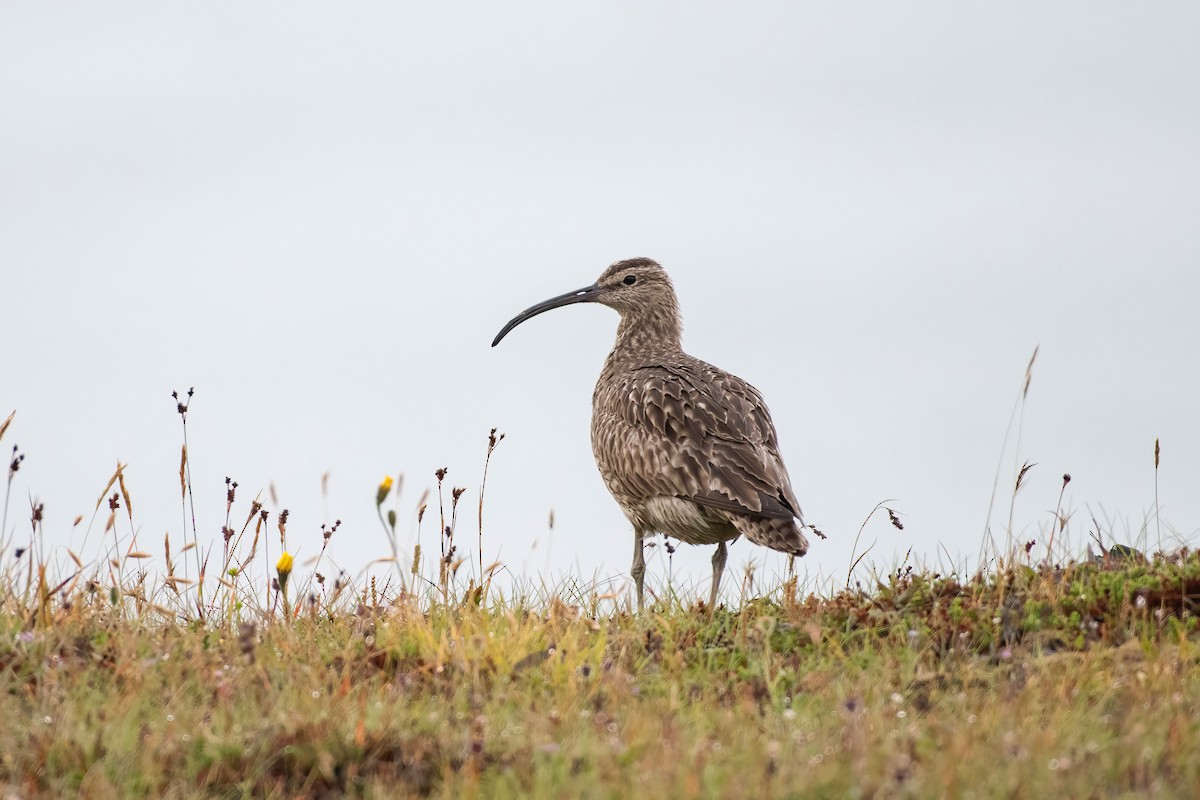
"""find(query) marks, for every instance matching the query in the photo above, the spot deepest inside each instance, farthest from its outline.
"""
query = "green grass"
(214, 680)
(1042, 684)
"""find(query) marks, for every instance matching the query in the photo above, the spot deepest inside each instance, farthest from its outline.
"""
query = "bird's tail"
(779, 534)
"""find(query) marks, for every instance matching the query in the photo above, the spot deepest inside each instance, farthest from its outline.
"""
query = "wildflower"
(283, 568)
(385, 488)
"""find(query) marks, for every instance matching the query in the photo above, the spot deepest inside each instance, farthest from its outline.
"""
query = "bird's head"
(635, 287)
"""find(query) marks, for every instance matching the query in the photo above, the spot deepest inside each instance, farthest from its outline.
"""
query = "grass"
(1081, 682)
(257, 677)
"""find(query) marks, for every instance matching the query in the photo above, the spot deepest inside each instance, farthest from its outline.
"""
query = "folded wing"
(705, 436)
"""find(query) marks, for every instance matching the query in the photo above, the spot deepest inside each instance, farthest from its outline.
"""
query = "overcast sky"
(319, 215)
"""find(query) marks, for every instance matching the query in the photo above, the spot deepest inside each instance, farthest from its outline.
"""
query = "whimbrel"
(687, 450)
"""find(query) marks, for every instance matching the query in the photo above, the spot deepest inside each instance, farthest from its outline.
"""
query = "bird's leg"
(718, 562)
(638, 570)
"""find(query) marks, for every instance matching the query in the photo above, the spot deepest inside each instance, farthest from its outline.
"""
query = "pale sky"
(319, 215)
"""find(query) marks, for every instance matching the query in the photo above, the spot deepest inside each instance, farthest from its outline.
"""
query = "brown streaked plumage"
(686, 449)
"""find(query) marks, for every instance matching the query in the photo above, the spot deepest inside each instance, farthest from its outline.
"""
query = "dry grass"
(237, 673)
(1041, 685)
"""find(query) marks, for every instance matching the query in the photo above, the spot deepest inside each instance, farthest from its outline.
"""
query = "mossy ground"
(1039, 682)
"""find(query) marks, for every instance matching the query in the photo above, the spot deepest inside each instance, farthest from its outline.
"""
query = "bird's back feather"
(685, 429)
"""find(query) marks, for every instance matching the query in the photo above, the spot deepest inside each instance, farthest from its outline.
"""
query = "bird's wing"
(715, 442)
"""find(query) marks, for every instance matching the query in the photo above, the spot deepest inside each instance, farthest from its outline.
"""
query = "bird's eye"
(630, 280)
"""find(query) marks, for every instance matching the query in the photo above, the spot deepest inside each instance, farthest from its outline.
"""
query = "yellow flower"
(385, 486)
(283, 568)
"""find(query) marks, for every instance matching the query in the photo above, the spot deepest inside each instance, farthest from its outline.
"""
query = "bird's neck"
(652, 334)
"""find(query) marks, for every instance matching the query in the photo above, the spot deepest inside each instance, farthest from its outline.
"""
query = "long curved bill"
(585, 295)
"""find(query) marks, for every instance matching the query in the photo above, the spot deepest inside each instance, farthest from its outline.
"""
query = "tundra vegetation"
(226, 668)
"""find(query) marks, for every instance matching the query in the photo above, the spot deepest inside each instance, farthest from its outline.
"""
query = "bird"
(686, 449)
